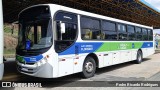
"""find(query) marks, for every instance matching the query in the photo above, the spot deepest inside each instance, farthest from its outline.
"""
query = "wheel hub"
(89, 67)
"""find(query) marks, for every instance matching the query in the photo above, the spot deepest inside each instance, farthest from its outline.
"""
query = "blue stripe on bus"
(82, 48)
(147, 45)
(33, 59)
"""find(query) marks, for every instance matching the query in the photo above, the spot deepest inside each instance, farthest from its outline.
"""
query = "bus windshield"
(35, 30)
(35, 34)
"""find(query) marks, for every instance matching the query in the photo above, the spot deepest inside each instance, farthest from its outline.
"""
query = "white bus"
(1, 41)
(56, 41)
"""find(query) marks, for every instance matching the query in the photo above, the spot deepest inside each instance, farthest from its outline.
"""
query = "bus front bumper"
(1, 70)
(43, 71)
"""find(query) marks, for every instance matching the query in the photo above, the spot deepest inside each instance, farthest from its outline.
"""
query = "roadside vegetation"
(10, 40)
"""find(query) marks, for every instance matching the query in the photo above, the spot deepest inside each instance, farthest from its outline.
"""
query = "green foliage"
(7, 29)
(9, 51)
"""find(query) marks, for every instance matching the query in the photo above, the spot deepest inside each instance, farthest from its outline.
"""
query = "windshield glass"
(35, 31)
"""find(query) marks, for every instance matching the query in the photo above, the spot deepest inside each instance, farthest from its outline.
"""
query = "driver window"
(70, 32)
(64, 39)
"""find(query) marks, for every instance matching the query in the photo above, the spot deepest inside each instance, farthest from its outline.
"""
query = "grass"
(8, 31)
(9, 51)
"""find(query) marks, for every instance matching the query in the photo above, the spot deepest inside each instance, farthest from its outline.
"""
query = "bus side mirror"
(63, 27)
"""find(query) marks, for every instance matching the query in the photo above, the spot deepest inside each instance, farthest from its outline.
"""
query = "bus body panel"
(46, 65)
(65, 65)
(114, 55)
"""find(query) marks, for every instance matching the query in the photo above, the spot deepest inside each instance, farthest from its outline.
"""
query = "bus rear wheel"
(89, 67)
(139, 57)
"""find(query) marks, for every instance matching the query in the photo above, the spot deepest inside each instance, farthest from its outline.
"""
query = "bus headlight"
(38, 63)
(42, 61)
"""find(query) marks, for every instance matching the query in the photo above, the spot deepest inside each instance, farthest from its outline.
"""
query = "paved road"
(148, 70)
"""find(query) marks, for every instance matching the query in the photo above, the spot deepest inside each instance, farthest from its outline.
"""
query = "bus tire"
(139, 57)
(89, 67)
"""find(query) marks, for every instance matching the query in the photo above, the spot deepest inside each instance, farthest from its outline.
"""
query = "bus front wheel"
(89, 67)
(139, 57)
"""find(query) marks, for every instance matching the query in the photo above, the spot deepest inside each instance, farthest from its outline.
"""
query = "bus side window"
(139, 33)
(88, 34)
(122, 32)
(90, 28)
(145, 34)
(103, 35)
(108, 30)
(131, 32)
(150, 35)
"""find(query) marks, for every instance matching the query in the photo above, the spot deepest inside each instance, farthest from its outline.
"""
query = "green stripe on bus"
(19, 58)
(112, 46)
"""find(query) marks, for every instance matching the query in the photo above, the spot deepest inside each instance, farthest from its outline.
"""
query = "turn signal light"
(47, 56)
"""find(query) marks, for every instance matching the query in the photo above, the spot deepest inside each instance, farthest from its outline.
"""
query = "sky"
(155, 4)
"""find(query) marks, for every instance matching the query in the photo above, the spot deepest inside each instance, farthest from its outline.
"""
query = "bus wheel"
(139, 57)
(89, 67)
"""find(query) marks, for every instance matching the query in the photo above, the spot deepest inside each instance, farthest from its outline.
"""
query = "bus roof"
(80, 12)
